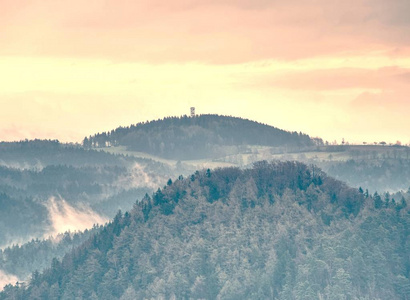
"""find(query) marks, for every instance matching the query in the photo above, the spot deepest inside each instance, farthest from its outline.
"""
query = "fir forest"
(204, 150)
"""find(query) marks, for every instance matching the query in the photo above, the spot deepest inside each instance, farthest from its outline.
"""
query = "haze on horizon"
(330, 69)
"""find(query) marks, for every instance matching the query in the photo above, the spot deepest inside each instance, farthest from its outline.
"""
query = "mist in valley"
(205, 149)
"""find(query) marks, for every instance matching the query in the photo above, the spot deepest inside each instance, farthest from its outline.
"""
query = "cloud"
(7, 279)
(37, 165)
(385, 102)
(137, 177)
(380, 115)
(405, 76)
(207, 31)
(64, 217)
(336, 79)
(102, 61)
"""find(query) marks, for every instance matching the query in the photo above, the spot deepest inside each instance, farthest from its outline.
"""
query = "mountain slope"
(202, 136)
(275, 231)
(388, 174)
(21, 261)
(34, 172)
(36, 154)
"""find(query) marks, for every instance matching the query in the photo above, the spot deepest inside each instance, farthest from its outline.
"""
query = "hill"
(83, 182)
(380, 175)
(278, 230)
(20, 262)
(36, 154)
(203, 136)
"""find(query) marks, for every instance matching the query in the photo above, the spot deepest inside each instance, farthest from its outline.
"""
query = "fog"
(7, 279)
(64, 217)
(138, 177)
(23, 165)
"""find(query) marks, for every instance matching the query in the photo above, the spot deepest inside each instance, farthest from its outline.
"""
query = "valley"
(74, 200)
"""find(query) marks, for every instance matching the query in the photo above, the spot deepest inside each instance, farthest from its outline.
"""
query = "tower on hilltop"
(192, 112)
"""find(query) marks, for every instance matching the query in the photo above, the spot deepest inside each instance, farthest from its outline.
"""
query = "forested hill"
(201, 136)
(32, 172)
(275, 231)
(30, 154)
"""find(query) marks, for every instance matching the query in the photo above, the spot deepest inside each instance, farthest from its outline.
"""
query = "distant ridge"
(202, 136)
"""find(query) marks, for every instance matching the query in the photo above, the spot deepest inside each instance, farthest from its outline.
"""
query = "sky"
(332, 69)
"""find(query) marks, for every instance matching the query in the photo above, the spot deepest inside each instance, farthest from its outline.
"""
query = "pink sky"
(335, 69)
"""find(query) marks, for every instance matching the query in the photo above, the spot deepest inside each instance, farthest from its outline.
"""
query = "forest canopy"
(280, 230)
(203, 136)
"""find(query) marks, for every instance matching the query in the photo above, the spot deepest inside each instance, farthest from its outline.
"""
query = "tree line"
(203, 136)
(280, 230)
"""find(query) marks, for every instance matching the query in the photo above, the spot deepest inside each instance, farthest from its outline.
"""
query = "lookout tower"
(192, 112)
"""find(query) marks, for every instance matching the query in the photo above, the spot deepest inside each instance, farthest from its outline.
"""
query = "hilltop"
(203, 136)
(208, 141)
(279, 230)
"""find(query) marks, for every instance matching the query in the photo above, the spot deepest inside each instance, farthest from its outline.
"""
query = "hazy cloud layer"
(6, 279)
(71, 69)
(137, 177)
(65, 217)
(210, 31)
(338, 79)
